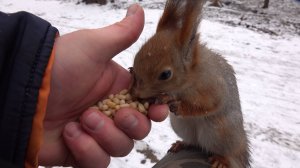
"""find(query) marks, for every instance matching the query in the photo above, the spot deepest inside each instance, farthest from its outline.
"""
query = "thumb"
(111, 40)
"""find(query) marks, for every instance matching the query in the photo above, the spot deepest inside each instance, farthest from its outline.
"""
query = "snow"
(267, 69)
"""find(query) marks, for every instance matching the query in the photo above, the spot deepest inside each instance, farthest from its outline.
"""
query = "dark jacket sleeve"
(26, 42)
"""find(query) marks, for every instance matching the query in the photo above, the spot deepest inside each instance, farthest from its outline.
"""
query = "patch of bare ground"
(149, 154)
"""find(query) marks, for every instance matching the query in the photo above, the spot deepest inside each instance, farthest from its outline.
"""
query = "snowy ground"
(267, 67)
(282, 16)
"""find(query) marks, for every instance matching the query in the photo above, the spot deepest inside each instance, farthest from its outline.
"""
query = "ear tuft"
(183, 16)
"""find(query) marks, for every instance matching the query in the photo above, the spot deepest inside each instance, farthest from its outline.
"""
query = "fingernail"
(72, 131)
(129, 122)
(93, 121)
(132, 9)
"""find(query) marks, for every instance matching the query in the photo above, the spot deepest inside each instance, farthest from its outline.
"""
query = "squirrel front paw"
(176, 147)
(174, 106)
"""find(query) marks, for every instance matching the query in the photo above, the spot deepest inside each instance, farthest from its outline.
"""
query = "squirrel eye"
(165, 75)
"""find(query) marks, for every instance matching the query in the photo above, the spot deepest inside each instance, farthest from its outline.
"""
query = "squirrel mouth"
(162, 98)
(150, 100)
(154, 99)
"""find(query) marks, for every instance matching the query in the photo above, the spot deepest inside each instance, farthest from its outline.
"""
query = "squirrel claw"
(177, 146)
(174, 106)
(167, 99)
(218, 162)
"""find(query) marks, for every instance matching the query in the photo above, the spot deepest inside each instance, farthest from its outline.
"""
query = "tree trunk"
(216, 3)
(266, 4)
(101, 2)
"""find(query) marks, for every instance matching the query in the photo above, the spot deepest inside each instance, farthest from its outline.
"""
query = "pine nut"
(122, 102)
(104, 107)
(111, 104)
(141, 108)
(116, 100)
(122, 97)
(146, 105)
(123, 92)
(107, 112)
(133, 105)
(111, 96)
(128, 97)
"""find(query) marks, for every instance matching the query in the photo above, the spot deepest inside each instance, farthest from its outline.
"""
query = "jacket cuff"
(36, 137)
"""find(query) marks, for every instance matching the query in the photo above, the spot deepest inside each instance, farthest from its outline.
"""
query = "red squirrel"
(198, 85)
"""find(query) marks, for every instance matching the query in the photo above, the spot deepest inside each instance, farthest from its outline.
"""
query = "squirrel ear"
(190, 22)
(171, 18)
(182, 17)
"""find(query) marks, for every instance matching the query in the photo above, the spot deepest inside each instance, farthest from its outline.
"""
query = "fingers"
(118, 36)
(103, 137)
(114, 141)
(84, 148)
(158, 113)
(135, 124)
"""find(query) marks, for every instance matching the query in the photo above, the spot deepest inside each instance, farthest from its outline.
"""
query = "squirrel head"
(165, 63)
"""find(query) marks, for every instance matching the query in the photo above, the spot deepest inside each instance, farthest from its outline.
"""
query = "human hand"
(83, 73)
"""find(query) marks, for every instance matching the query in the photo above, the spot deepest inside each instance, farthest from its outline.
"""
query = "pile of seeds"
(114, 102)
